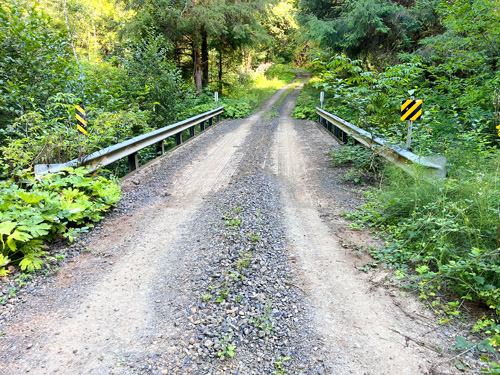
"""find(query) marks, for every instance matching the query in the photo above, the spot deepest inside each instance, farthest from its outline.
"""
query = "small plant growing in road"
(223, 294)
(254, 238)
(239, 298)
(244, 261)
(206, 297)
(263, 322)
(233, 223)
(278, 365)
(227, 348)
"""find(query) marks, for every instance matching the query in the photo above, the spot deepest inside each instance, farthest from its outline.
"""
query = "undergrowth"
(244, 92)
(441, 235)
(36, 211)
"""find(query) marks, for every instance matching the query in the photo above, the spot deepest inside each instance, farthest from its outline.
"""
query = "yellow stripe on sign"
(406, 104)
(81, 130)
(411, 110)
(80, 109)
(417, 115)
(81, 120)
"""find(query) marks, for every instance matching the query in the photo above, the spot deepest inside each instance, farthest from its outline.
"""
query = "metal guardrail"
(130, 147)
(342, 130)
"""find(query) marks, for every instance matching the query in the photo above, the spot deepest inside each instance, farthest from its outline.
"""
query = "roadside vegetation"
(134, 69)
(137, 66)
(442, 236)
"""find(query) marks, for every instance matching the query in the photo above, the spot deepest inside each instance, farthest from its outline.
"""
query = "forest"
(139, 65)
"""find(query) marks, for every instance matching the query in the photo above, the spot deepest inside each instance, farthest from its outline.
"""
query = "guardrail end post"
(133, 161)
(191, 131)
(178, 139)
(160, 147)
(202, 125)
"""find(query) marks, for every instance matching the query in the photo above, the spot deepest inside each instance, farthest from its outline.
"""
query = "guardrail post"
(178, 138)
(202, 125)
(133, 161)
(191, 131)
(210, 121)
(160, 147)
(217, 118)
(345, 139)
(329, 126)
(336, 131)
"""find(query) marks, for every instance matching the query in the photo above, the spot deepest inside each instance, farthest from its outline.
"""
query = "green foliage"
(364, 164)
(227, 348)
(362, 28)
(280, 72)
(154, 82)
(447, 230)
(308, 100)
(38, 211)
(278, 365)
(35, 60)
(248, 90)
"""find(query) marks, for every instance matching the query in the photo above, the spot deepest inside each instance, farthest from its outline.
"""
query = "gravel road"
(229, 255)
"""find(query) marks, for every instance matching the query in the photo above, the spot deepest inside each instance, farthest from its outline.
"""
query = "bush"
(36, 212)
(446, 230)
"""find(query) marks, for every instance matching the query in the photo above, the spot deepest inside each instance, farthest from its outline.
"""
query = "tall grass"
(447, 230)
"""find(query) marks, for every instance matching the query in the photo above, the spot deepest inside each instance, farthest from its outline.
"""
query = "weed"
(23, 278)
(227, 348)
(244, 261)
(12, 291)
(224, 292)
(206, 297)
(263, 322)
(254, 238)
(233, 223)
(278, 365)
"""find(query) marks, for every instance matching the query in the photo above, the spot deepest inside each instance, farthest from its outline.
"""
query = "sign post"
(322, 98)
(216, 98)
(81, 120)
(411, 110)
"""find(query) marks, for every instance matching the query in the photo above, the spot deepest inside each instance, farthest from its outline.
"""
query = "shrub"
(38, 211)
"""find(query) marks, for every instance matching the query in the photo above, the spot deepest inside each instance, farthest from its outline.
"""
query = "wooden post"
(133, 162)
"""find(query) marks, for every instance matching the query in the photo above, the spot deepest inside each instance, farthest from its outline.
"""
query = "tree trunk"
(65, 11)
(220, 72)
(197, 71)
(204, 56)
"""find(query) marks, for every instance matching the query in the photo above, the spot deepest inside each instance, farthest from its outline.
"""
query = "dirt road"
(228, 256)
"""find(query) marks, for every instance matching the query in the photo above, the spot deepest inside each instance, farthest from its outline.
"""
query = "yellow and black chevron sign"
(81, 120)
(411, 110)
